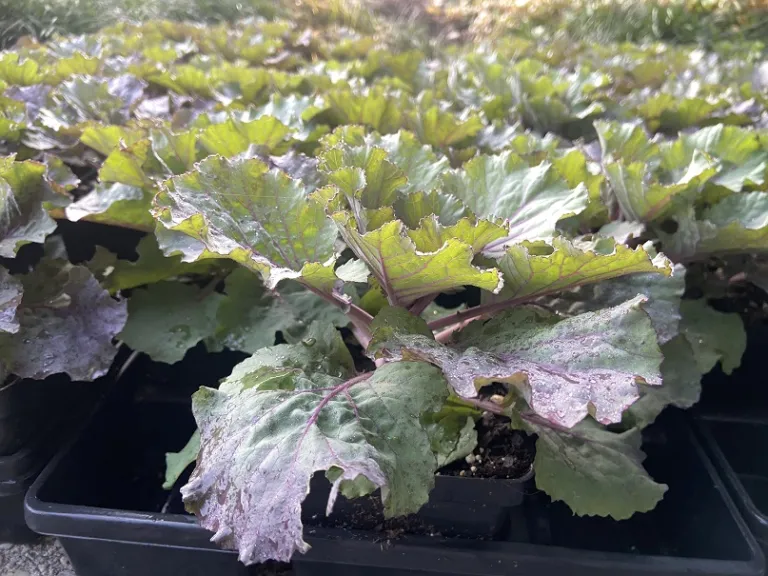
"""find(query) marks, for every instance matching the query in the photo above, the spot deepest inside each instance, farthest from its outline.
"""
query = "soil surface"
(501, 452)
(368, 514)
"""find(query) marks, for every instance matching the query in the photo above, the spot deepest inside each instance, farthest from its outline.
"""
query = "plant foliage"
(322, 188)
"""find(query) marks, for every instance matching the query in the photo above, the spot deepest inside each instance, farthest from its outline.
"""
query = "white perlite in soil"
(47, 558)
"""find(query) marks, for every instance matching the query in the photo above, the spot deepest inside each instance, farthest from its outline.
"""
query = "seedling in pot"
(305, 407)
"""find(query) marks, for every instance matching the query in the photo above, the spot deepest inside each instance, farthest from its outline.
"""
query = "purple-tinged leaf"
(269, 428)
(34, 97)
(565, 369)
(67, 324)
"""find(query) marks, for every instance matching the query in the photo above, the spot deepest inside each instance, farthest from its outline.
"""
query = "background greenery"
(682, 21)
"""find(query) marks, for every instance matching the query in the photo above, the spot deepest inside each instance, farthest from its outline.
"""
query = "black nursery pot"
(102, 497)
(36, 417)
(21, 404)
(738, 449)
(458, 507)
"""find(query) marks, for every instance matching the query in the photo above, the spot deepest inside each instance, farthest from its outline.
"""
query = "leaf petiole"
(421, 304)
(472, 313)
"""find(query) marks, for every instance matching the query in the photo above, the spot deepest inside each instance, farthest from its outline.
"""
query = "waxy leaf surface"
(594, 471)
(405, 272)
(23, 217)
(66, 324)
(532, 199)
(565, 369)
(266, 432)
(168, 318)
(242, 210)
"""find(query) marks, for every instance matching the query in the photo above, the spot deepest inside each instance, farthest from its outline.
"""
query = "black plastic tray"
(695, 530)
(13, 527)
(41, 430)
(111, 477)
(17, 472)
(100, 498)
(123, 506)
(739, 449)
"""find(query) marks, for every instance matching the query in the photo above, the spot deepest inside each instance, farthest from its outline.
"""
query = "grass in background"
(689, 21)
(44, 18)
(704, 22)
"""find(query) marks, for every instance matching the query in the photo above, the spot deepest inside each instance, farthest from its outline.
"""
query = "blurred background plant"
(678, 21)
(703, 22)
(44, 18)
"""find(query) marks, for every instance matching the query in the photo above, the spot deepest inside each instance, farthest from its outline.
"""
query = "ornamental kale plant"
(523, 230)
(300, 408)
